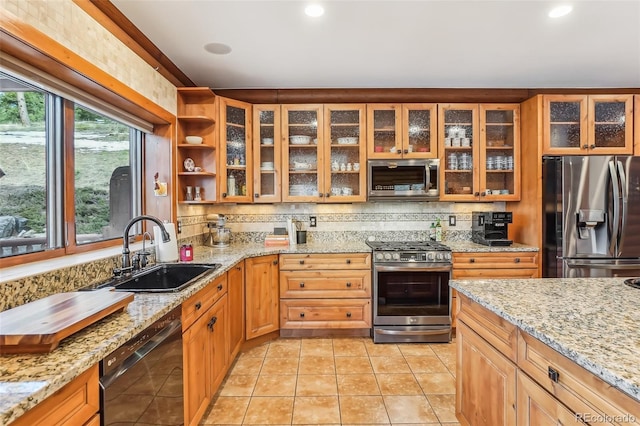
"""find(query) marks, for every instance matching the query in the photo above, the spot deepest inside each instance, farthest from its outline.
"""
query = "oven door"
(411, 294)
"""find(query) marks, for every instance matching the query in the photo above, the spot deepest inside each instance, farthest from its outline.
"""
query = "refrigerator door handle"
(612, 265)
(616, 208)
(625, 199)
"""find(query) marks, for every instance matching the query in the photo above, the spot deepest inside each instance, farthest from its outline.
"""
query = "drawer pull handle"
(472, 260)
(212, 323)
(553, 374)
(348, 261)
(517, 260)
(219, 287)
(301, 314)
(348, 314)
(198, 305)
(301, 284)
(238, 268)
(302, 261)
(275, 262)
(348, 284)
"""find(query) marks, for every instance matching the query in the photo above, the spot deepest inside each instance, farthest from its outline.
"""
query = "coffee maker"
(491, 228)
(217, 235)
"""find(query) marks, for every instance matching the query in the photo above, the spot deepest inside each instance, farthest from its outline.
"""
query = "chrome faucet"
(126, 260)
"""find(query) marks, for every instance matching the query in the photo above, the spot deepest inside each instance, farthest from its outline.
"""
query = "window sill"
(35, 268)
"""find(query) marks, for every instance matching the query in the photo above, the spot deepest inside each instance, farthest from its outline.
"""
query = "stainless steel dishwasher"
(141, 382)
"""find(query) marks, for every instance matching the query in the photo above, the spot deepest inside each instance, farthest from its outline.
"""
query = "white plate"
(189, 165)
(299, 140)
(348, 141)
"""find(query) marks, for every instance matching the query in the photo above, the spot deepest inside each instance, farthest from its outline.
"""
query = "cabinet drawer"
(75, 404)
(342, 261)
(575, 387)
(197, 304)
(498, 332)
(478, 260)
(486, 273)
(325, 284)
(326, 313)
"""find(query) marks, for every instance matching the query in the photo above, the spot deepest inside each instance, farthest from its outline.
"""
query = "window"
(70, 174)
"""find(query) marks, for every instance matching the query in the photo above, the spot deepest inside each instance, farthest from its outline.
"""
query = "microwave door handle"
(624, 204)
(616, 208)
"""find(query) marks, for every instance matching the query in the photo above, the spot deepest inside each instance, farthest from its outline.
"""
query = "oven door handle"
(412, 267)
(413, 332)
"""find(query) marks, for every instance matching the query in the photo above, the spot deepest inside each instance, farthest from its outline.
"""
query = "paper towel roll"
(166, 252)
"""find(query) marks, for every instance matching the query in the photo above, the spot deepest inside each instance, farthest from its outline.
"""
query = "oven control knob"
(387, 256)
(439, 256)
(396, 256)
(447, 256)
(379, 256)
(430, 256)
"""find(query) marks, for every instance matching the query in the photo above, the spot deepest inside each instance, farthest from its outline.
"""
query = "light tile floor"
(341, 381)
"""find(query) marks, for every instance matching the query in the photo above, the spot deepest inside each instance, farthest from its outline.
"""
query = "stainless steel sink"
(161, 278)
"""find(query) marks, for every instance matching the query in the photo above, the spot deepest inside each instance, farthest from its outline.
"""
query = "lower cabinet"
(205, 340)
(261, 296)
(77, 403)
(505, 376)
(325, 291)
(491, 265)
(235, 279)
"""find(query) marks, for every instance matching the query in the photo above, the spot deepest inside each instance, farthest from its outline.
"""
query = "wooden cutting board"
(39, 326)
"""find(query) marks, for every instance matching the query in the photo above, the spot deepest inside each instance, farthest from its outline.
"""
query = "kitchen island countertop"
(595, 322)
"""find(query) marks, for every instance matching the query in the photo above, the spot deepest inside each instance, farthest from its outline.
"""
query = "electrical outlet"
(179, 230)
(452, 220)
(312, 221)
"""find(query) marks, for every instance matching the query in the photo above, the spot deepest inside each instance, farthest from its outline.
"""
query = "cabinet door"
(262, 295)
(235, 279)
(302, 160)
(384, 131)
(610, 124)
(536, 407)
(344, 153)
(197, 370)
(419, 131)
(488, 396)
(499, 159)
(235, 151)
(267, 144)
(218, 328)
(459, 142)
(565, 124)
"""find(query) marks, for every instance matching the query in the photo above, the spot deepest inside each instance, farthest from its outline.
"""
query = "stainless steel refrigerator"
(591, 216)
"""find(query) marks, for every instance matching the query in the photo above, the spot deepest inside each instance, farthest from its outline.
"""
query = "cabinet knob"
(275, 262)
(476, 194)
(592, 146)
(553, 374)
(301, 284)
(348, 284)
(348, 314)
(302, 261)
(224, 195)
(219, 287)
(348, 261)
(585, 146)
(516, 260)
(301, 314)
(472, 260)
(198, 306)
(328, 194)
(256, 195)
(406, 151)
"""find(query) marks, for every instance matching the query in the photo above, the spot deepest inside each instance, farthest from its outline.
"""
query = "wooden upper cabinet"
(402, 131)
(267, 154)
(345, 153)
(235, 151)
(583, 125)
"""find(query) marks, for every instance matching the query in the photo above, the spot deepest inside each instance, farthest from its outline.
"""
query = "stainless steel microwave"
(395, 180)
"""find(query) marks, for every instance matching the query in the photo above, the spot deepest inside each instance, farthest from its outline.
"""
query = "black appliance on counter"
(411, 294)
(491, 228)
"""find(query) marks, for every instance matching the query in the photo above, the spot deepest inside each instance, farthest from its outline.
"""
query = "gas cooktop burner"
(407, 246)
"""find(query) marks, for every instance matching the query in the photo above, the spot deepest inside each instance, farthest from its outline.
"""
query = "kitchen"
(413, 217)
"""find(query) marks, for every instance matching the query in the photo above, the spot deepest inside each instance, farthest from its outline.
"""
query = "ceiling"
(396, 44)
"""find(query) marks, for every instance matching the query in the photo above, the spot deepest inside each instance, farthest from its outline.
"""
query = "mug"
(455, 142)
(343, 167)
(410, 148)
(447, 141)
(197, 169)
(465, 142)
(356, 167)
(349, 167)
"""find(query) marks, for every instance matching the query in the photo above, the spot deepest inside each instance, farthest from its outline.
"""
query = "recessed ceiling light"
(559, 11)
(314, 10)
(217, 48)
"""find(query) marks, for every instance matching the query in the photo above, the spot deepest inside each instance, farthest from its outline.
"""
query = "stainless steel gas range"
(411, 295)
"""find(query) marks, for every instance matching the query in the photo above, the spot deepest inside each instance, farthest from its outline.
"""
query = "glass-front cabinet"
(480, 152)
(236, 172)
(302, 153)
(345, 153)
(195, 149)
(582, 125)
(267, 148)
(401, 131)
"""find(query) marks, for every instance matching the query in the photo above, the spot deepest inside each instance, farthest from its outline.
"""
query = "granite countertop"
(595, 322)
(469, 246)
(26, 380)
